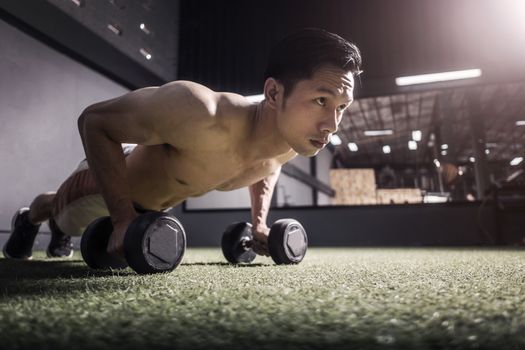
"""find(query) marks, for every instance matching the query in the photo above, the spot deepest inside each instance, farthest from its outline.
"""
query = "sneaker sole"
(62, 256)
(13, 258)
(4, 251)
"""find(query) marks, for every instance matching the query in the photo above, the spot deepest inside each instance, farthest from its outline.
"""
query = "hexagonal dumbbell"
(94, 243)
(287, 242)
(154, 242)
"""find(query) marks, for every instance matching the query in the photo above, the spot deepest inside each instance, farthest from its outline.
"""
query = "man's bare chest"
(219, 170)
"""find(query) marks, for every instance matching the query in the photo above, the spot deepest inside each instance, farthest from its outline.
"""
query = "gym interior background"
(428, 164)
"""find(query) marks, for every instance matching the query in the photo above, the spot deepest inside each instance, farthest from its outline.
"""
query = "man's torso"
(219, 158)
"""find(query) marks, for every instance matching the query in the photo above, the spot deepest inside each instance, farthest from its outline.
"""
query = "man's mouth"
(317, 144)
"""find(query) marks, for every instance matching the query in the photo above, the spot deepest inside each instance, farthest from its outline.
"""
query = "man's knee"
(41, 208)
(73, 218)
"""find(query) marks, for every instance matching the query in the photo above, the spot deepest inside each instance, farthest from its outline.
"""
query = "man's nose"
(330, 123)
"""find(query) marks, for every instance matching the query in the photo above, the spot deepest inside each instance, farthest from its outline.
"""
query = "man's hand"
(116, 240)
(260, 240)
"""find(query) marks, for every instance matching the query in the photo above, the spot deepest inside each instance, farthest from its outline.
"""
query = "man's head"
(298, 56)
(309, 83)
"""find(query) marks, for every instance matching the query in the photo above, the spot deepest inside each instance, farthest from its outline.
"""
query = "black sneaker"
(60, 245)
(23, 233)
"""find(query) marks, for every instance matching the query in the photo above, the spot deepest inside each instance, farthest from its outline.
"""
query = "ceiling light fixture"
(378, 132)
(516, 161)
(335, 140)
(412, 145)
(416, 135)
(436, 77)
(115, 29)
(386, 149)
(146, 54)
(352, 146)
(143, 27)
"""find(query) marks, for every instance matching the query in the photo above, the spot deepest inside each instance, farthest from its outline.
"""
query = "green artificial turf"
(335, 299)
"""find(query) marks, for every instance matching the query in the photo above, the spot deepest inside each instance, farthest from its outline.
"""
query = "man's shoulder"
(197, 96)
(234, 112)
(191, 95)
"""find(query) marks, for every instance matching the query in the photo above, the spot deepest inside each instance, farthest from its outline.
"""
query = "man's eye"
(341, 108)
(321, 101)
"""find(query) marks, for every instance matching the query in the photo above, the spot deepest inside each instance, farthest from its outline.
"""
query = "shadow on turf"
(39, 270)
(38, 277)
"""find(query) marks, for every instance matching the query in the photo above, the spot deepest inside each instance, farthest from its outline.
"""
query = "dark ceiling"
(224, 44)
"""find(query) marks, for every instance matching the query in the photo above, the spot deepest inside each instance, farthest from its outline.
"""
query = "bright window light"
(516, 161)
(435, 199)
(412, 145)
(352, 147)
(255, 98)
(444, 146)
(386, 149)
(435, 77)
(520, 123)
(336, 140)
(416, 135)
(378, 132)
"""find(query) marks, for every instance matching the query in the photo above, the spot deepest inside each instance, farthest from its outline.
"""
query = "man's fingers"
(260, 248)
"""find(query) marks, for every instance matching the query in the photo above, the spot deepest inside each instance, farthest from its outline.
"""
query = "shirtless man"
(192, 140)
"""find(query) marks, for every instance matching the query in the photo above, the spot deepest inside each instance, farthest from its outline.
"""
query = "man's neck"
(267, 142)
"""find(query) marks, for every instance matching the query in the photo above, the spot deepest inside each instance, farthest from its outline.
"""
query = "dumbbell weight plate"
(94, 243)
(234, 243)
(154, 242)
(287, 242)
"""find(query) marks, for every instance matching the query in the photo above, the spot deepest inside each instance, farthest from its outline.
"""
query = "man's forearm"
(261, 197)
(106, 160)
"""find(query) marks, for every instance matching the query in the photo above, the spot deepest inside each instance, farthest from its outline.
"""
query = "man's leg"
(41, 208)
(25, 225)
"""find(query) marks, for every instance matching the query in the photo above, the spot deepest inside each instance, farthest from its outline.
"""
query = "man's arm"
(261, 195)
(147, 116)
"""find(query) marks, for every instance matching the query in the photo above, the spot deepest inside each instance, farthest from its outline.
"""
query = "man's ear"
(273, 93)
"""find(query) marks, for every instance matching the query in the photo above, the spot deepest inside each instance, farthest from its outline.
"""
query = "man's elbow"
(86, 120)
(83, 120)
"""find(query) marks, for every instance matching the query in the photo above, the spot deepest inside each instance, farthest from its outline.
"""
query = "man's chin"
(308, 152)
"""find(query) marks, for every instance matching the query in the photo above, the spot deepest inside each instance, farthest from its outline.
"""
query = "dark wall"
(447, 224)
(224, 44)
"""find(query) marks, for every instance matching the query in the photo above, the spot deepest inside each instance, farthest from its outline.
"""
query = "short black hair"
(299, 55)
